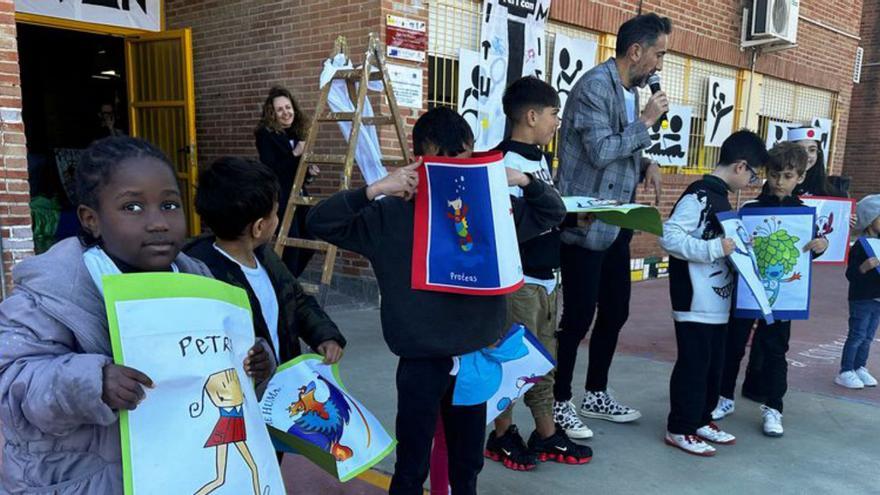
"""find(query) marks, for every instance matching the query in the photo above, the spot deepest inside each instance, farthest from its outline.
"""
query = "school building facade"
(238, 49)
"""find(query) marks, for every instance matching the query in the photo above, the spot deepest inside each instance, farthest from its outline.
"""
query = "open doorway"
(73, 92)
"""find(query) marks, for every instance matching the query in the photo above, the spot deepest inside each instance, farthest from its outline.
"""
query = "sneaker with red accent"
(714, 434)
(559, 448)
(510, 450)
(691, 444)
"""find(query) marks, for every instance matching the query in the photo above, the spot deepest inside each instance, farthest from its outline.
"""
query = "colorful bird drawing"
(322, 419)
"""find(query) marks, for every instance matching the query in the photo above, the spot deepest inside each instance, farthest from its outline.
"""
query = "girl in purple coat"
(60, 392)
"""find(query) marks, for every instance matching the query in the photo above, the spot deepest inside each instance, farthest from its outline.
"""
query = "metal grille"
(788, 102)
(686, 82)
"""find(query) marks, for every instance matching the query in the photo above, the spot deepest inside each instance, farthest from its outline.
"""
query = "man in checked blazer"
(600, 154)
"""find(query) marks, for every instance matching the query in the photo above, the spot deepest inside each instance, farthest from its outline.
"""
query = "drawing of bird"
(322, 421)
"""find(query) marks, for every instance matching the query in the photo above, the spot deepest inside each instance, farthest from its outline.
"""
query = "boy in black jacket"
(785, 171)
(532, 106)
(700, 286)
(427, 329)
(238, 200)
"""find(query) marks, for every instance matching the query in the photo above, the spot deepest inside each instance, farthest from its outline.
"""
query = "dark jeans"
(864, 317)
(774, 375)
(297, 259)
(584, 273)
(424, 390)
(693, 388)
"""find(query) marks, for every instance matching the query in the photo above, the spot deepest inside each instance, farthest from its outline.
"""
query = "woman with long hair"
(280, 138)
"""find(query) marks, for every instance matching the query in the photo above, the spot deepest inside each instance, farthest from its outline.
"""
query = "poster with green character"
(779, 236)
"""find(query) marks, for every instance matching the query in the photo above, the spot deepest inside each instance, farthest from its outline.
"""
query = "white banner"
(494, 57)
(777, 132)
(134, 14)
(669, 146)
(472, 84)
(572, 58)
(719, 110)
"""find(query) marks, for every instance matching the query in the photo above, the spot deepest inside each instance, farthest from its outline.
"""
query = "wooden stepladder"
(373, 69)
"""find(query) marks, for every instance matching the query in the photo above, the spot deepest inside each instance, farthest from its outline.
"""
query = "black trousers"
(592, 279)
(739, 331)
(424, 390)
(696, 377)
(774, 374)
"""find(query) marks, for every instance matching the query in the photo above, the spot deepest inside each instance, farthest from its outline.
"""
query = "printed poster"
(824, 125)
(473, 84)
(310, 412)
(669, 146)
(464, 238)
(521, 374)
(777, 132)
(746, 262)
(199, 430)
(494, 59)
(832, 223)
(719, 110)
(572, 58)
(779, 236)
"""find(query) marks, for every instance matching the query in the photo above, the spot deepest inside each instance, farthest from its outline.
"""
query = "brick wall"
(15, 215)
(863, 141)
(242, 47)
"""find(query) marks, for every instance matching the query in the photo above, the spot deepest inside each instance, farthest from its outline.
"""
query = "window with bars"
(784, 101)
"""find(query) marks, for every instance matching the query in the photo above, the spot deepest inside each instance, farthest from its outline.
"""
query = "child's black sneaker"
(559, 448)
(510, 449)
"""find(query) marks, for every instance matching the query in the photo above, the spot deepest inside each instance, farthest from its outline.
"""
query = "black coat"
(299, 315)
(276, 152)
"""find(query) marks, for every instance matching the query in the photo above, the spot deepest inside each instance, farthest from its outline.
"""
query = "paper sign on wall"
(669, 146)
(407, 85)
(572, 58)
(719, 110)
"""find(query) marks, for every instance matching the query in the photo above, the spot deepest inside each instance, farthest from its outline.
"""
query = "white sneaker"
(849, 379)
(865, 377)
(772, 421)
(691, 444)
(724, 408)
(714, 434)
(601, 405)
(565, 416)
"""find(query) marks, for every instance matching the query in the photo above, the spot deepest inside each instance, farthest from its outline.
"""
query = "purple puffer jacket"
(60, 436)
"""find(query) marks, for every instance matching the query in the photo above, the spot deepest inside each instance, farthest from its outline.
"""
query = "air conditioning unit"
(774, 20)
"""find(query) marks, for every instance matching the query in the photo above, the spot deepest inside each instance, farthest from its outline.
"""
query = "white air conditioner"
(774, 20)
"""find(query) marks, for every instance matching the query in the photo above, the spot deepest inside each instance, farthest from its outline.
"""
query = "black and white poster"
(719, 111)
(134, 14)
(825, 136)
(494, 56)
(572, 58)
(472, 84)
(777, 132)
(669, 146)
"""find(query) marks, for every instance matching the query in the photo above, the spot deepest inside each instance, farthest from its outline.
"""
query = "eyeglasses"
(753, 178)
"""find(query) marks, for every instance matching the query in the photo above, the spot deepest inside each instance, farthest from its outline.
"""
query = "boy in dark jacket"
(238, 200)
(427, 329)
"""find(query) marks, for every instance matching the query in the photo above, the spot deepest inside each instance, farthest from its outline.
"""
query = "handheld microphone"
(654, 84)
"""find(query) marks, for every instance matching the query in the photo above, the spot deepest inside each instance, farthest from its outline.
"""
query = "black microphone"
(654, 83)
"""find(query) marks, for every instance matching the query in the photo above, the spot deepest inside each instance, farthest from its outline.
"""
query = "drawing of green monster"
(777, 254)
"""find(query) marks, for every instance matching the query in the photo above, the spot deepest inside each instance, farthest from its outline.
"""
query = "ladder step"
(310, 288)
(349, 116)
(356, 74)
(395, 163)
(328, 159)
(306, 244)
(305, 200)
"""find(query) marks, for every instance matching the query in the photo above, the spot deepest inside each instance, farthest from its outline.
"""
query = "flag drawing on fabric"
(872, 248)
(832, 223)
(746, 262)
(199, 430)
(464, 238)
(779, 236)
(309, 412)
